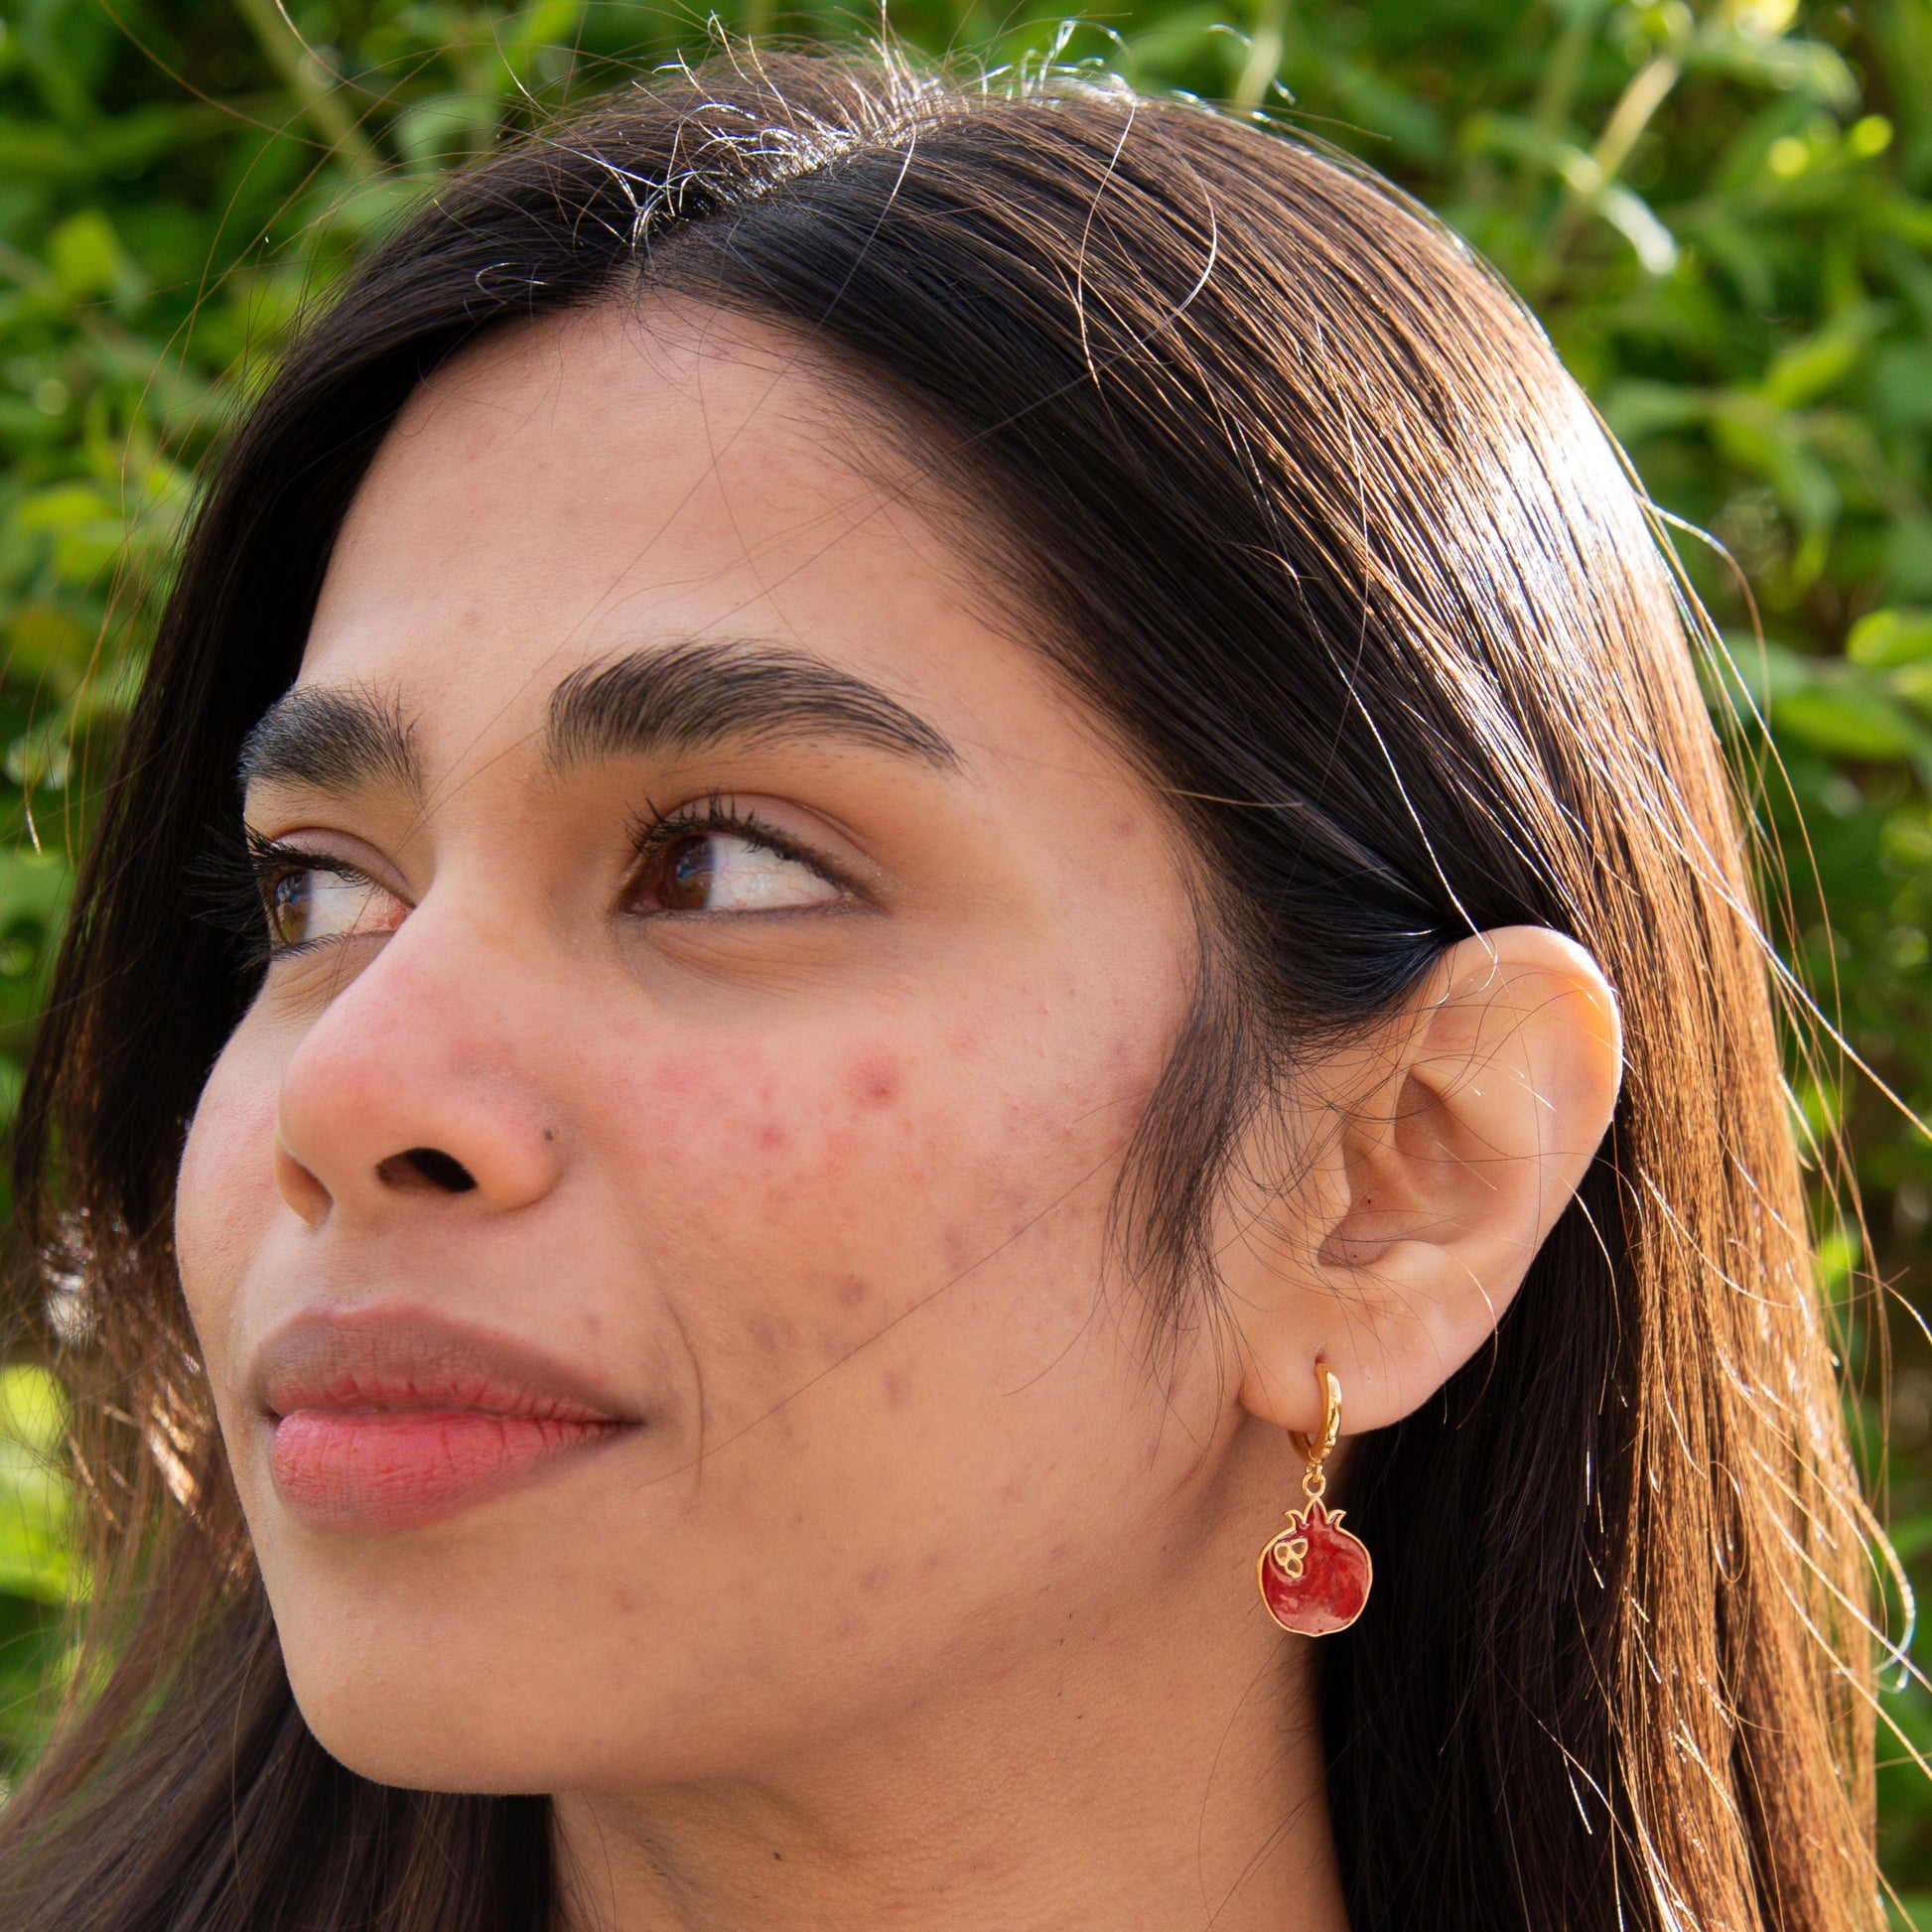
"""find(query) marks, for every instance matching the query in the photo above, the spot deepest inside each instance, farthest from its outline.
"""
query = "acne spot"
(772, 1333)
(678, 1076)
(875, 1579)
(898, 1387)
(773, 1134)
(877, 1083)
(853, 1291)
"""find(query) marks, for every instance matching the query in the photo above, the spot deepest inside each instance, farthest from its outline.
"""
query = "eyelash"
(232, 881)
(272, 860)
(235, 881)
(652, 834)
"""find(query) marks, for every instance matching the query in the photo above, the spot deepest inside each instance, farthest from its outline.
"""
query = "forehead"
(610, 481)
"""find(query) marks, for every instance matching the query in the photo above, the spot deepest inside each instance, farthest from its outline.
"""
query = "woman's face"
(648, 1237)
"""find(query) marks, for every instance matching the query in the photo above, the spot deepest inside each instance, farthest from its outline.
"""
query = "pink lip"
(391, 1418)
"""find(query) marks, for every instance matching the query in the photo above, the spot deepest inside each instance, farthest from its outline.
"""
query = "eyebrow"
(707, 691)
(336, 739)
(695, 694)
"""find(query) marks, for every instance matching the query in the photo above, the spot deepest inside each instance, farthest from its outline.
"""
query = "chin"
(432, 1713)
(399, 1739)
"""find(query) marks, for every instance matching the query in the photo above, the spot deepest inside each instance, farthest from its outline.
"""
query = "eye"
(311, 903)
(711, 869)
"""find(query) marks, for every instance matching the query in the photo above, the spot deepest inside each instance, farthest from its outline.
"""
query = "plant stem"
(1628, 118)
(1265, 52)
(1632, 114)
(1562, 73)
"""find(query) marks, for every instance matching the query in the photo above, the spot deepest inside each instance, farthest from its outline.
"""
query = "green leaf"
(1890, 638)
(1848, 721)
(84, 255)
(33, 887)
(1799, 374)
(33, 1490)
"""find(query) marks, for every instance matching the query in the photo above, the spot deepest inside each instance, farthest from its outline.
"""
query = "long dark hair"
(1300, 495)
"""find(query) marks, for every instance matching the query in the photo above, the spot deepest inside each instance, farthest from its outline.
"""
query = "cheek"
(807, 1193)
(225, 1195)
(883, 1257)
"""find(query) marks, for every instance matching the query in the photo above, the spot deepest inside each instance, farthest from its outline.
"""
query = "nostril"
(425, 1167)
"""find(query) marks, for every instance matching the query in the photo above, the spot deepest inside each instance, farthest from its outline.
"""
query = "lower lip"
(393, 1468)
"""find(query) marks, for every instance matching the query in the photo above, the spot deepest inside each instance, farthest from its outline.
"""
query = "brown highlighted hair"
(1302, 498)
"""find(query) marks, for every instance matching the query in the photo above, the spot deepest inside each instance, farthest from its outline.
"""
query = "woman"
(976, 841)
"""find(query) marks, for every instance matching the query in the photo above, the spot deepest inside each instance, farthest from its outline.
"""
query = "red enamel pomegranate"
(1314, 1575)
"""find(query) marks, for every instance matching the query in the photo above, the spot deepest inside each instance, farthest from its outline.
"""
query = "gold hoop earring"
(1314, 1575)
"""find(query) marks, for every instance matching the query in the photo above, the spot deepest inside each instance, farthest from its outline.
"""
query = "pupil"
(687, 874)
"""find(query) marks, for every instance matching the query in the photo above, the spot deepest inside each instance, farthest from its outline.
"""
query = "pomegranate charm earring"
(1314, 1575)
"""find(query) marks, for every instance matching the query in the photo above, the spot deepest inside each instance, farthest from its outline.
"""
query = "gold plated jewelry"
(1314, 1575)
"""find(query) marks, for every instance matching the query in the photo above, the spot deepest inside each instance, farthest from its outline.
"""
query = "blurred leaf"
(1890, 638)
(34, 1562)
(1848, 721)
(34, 886)
(85, 257)
(1806, 371)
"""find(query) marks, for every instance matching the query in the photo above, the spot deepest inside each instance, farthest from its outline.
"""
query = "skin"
(917, 1599)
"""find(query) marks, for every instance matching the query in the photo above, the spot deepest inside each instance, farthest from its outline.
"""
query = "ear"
(1429, 1162)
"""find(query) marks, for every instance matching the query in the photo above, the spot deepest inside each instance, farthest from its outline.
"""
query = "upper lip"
(400, 1360)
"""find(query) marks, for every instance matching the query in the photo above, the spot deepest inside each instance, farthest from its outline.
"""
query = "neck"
(1144, 1777)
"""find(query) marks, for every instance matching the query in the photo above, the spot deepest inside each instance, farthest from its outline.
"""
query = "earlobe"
(1438, 1153)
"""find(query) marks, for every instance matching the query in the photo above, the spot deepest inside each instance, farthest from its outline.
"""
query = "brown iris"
(685, 871)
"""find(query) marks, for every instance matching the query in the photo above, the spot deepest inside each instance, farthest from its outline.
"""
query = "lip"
(391, 1418)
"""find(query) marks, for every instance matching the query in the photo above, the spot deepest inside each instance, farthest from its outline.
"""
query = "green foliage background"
(1723, 214)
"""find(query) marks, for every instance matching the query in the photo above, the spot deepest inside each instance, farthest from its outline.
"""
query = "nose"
(417, 1086)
